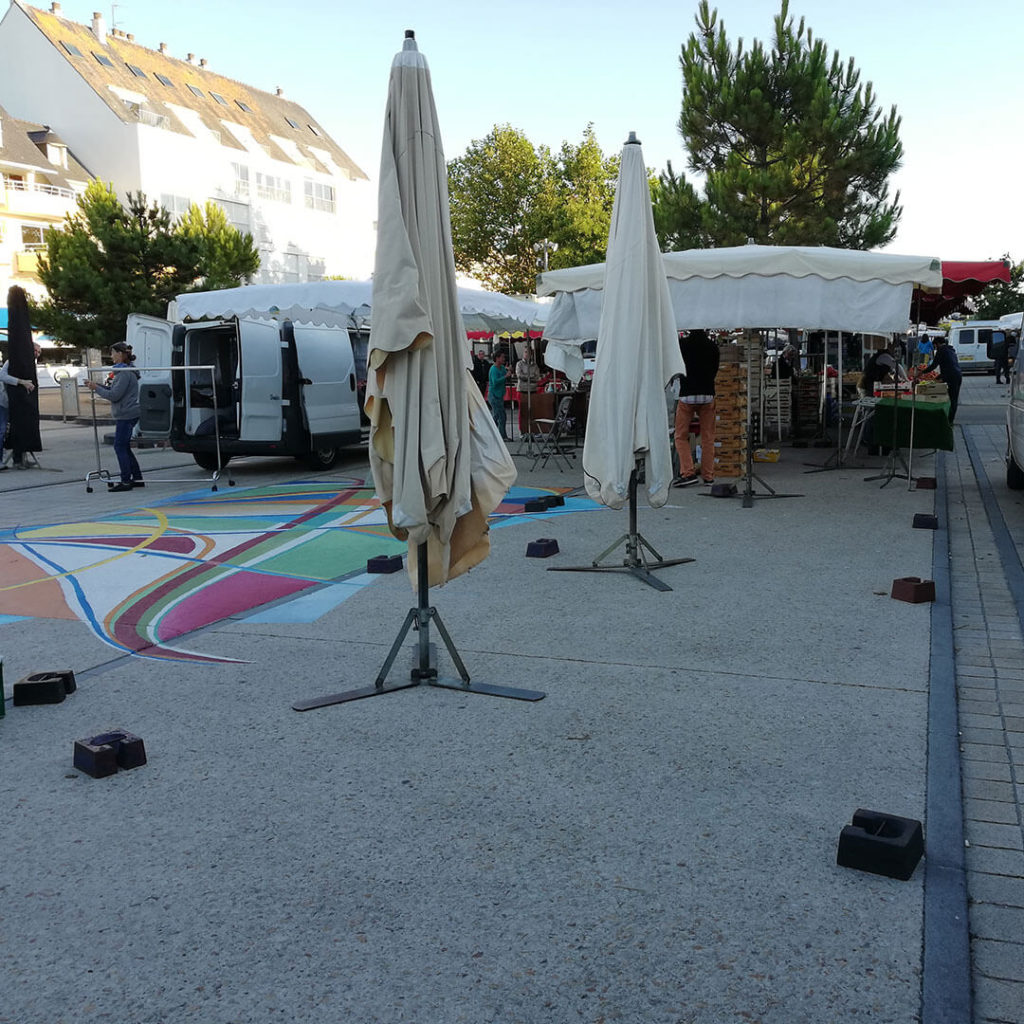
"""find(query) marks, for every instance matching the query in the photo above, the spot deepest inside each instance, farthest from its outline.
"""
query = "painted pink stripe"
(239, 592)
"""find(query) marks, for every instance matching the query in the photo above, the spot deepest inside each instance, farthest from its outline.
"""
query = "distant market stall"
(960, 281)
(347, 304)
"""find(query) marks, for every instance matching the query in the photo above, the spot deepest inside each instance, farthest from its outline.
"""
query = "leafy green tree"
(1000, 298)
(108, 260)
(791, 145)
(577, 200)
(494, 191)
(508, 195)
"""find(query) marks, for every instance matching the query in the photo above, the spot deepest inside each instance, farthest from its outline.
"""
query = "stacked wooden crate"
(731, 419)
(807, 396)
(778, 408)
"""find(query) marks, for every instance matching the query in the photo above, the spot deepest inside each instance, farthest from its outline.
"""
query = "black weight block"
(924, 521)
(535, 505)
(104, 754)
(913, 590)
(553, 500)
(130, 750)
(97, 761)
(42, 688)
(925, 483)
(384, 564)
(543, 547)
(723, 490)
(882, 844)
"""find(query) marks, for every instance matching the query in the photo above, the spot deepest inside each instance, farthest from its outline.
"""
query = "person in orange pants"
(696, 398)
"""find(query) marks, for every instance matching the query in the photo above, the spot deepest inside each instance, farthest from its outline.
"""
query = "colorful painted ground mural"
(144, 578)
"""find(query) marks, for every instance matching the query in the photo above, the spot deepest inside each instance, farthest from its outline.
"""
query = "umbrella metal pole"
(424, 670)
(635, 563)
(99, 473)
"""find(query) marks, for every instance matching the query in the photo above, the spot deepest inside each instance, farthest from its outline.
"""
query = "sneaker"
(707, 481)
(138, 483)
(118, 487)
(685, 481)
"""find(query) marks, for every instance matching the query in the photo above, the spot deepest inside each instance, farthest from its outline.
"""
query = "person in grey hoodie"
(121, 390)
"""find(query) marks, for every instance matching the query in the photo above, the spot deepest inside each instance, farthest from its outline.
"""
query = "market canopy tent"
(960, 280)
(751, 286)
(346, 304)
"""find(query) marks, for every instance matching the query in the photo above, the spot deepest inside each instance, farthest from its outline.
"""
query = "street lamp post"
(544, 247)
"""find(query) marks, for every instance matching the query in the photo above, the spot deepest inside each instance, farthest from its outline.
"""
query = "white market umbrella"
(637, 352)
(627, 435)
(438, 461)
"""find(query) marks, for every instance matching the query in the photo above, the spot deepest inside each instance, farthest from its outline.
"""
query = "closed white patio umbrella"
(627, 439)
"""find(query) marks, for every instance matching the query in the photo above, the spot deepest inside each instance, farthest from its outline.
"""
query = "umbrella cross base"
(424, 671)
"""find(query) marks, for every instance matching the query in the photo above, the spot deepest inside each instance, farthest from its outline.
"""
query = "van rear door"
(328, 384)
(151, 340)
(260, 372)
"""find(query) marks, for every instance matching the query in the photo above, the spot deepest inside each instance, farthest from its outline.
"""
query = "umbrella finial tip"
(632, 140)
(410, 33)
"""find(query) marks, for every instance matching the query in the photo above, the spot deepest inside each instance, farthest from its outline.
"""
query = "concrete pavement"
(655, 841)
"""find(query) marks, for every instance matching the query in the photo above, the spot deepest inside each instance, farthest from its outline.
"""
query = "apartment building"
(171, 127)
(39, 181)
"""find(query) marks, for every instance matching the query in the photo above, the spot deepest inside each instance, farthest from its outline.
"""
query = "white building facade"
(180, 133)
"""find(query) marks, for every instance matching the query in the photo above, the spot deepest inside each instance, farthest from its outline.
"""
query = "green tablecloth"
(932, 428)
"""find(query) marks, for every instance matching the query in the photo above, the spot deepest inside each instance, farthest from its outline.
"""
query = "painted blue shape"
(4, 619)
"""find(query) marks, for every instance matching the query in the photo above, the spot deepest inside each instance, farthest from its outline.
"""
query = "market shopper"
(946, 367)
(7, 379)
(496, 381)
(696, 398)
(121, 390)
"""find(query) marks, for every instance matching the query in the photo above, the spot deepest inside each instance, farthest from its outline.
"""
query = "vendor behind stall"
(881, 368)
(946, 367)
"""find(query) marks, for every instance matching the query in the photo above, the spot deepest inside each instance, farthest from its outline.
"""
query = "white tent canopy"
(751, 286)
(346, 304)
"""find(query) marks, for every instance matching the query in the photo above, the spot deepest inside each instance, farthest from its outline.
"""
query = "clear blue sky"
(951, 68)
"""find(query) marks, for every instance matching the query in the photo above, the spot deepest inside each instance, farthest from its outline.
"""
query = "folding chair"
(552, 444)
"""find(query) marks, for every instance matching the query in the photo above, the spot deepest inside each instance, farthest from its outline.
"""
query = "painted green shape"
(330, 556)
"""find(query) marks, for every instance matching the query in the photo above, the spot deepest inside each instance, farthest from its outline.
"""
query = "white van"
(973, 343)
(276, 388)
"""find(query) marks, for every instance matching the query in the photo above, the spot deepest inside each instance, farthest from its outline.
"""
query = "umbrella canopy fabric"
(637, 351)
(960, 280)
(438, 461)
(346, 304)
(21, 357)
(757, 286)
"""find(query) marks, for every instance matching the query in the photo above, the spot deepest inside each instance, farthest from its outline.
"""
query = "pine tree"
(108, 260)
(792, 146)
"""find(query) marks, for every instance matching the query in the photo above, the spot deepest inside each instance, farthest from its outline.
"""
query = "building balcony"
(37, 200)
(27, 261)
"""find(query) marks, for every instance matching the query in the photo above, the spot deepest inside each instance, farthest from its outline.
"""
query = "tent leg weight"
(881, 844)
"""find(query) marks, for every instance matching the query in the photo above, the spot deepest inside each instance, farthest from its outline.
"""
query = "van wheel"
(208, 460)
(322, 458)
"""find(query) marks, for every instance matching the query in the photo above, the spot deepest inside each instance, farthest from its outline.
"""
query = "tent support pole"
(425, 669)
(749, 476)
(635, 563)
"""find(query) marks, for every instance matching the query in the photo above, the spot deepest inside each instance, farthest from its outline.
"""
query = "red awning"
(960, 280)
